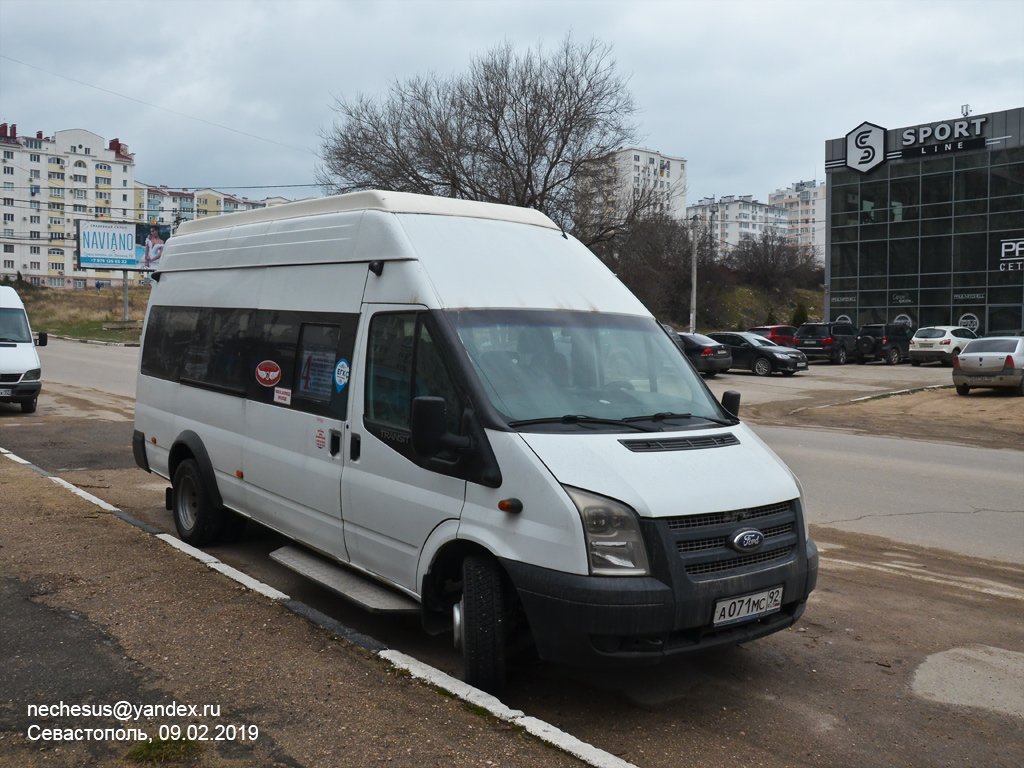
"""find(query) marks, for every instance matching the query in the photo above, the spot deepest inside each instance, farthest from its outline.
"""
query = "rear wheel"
(479, 619)
(962, 389)
(893, 356)
(198, 520)
(840, 358)
(915, 363)
(762, 367)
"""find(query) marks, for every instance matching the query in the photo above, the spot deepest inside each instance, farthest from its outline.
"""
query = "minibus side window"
(404, 362)
(168, 337)
(217, 355)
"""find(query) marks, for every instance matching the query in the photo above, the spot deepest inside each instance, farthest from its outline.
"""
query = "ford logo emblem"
(747, 540)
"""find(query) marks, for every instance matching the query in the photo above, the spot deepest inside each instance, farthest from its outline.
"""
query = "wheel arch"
(443, 569)
(188, 445)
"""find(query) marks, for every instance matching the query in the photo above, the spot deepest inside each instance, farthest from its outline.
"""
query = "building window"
(8, 233)
(55, 161)
(78, 283)
(55, 252)
(56, 282)
(33, 235)
(80, 177)
(102, 167)
(57, 175)
(8, 155)
(34, 174)
(33, 158)
(9, 217)
(56, 191)
(57, 266)
(33, 265)
(9, 170)
(34, 250)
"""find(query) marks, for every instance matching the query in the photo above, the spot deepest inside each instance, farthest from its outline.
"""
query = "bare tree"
(772, 263)
(531, 129)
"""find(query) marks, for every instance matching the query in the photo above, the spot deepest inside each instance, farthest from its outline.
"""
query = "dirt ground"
(984, 418)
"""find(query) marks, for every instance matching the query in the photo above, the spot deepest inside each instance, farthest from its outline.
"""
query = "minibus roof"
(372, 200)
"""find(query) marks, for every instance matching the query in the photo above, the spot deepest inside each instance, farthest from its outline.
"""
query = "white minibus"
(455, 408)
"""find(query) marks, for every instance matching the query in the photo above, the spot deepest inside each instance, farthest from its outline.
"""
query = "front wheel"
(198, 520)
(962, 389)
(480, 624)
(762, 367)
(29, 406)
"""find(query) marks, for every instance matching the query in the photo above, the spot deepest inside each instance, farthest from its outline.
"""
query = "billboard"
(116, 245)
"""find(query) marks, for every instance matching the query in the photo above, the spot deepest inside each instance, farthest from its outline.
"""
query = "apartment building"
(731, 218)
(50, 182)
(162, 205)
(805, 205)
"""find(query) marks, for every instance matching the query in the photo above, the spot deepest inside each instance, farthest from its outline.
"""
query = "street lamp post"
(693, 276)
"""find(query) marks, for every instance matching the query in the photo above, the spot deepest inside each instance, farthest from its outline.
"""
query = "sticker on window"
(268, 373)
(341, 372)
(282, 396)
(315, 373)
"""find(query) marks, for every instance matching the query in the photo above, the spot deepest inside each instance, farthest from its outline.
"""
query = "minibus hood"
(18, 358)
(664, 476)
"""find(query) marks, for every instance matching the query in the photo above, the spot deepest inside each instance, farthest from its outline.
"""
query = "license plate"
(734, 609)
(971, 379)
(5, 393)
(801, 365)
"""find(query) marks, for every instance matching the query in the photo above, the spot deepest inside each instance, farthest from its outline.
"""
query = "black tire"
(483, 623)
(915, 363)
(859, 359)
(762, 366)
(29, 406)
(840, 358)
(198, 520)
(962, 389)
(788, 373)
(893, 356)
(710, 374)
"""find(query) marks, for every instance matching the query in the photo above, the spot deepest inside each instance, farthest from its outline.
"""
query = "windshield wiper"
(669, 415)
(572, 418)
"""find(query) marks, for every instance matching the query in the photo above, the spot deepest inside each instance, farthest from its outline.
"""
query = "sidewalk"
(95, 611)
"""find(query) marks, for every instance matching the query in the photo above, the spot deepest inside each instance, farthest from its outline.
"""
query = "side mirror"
(430, 433)
(731, 402)
(41, 341)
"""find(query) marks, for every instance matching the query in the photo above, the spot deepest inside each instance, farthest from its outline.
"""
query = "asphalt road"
(910, 652)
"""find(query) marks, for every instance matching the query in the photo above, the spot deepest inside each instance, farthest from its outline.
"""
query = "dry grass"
(81, 314)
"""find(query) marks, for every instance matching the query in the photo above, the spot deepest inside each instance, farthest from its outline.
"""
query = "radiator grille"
(681, 443)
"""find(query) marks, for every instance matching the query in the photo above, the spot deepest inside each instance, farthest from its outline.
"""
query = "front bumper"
(596, 619)
(23, 392)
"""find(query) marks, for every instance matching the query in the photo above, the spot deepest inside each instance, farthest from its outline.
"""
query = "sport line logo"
(865, 147)
(268, 373)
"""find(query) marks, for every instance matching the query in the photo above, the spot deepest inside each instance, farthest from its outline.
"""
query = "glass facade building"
(926, 224)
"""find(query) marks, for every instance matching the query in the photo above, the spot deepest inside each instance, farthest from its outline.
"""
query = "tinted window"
(991, 345)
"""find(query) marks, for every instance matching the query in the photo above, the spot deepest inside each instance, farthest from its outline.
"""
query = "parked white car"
(939, 342)
(990, 362)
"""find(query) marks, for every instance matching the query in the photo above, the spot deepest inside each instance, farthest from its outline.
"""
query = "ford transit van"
(454, 409)
(20, 371)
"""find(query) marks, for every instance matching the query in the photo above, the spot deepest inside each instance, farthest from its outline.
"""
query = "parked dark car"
(707, 355)
(758, 354)
(783, 335)
(829, 341)
(883, 342)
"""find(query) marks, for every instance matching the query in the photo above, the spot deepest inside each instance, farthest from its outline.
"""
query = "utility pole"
(693, 276)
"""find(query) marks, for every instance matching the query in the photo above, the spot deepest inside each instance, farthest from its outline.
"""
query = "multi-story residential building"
(50, 182)
(731, 218)
(805, 206)
(161, 205)
(210, 202)
(638, 170)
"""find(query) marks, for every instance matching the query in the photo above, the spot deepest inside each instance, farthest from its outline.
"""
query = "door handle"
(335, 442)
(355, 447)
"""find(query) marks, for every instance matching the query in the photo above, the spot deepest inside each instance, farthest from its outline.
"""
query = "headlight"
(615, 546)
(32, 375)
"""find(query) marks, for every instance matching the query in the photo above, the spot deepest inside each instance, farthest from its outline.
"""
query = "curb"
(879, 396)
(97, 342)
(434, 677)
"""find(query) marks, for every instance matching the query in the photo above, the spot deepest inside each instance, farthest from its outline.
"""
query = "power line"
(157, 106)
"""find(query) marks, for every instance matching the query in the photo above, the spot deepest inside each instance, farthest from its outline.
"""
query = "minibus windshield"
(583, 369)
(14, 326)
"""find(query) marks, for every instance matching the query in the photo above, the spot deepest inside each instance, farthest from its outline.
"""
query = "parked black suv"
(833, 341)
(883, 342)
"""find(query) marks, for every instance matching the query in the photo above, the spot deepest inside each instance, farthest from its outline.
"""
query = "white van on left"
(20, 371)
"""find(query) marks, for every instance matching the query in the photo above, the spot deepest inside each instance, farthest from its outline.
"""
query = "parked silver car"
(990, 362)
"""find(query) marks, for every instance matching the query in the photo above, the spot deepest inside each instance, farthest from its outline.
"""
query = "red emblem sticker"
(268, 373)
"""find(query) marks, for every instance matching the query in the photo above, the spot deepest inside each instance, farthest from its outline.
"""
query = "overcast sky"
(233, 94)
